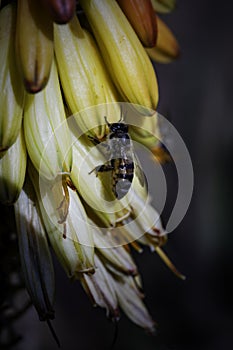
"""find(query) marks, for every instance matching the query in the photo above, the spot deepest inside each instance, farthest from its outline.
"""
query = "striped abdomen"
(122, 176)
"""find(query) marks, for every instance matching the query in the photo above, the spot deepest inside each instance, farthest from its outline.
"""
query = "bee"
(122, 161)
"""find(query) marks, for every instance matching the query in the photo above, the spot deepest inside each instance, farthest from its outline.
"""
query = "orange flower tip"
(133, 272)
(60, 11)
(176, 53)
(150, 38)
(161, 155)
(35, 86)
(156, 230)
(142, 18)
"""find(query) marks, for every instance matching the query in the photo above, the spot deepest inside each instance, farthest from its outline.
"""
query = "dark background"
(196, 92)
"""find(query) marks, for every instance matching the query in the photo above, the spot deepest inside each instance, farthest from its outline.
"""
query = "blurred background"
(196, 93)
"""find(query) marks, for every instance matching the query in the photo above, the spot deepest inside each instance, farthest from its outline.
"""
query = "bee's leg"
(102, 144)
(102, 168)
(94, 140)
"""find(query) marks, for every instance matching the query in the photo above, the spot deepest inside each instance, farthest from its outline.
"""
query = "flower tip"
(169, 264)
(152, 331)
(161, 155)
(115, 315)
(183, 277)
(53, 333)
(133, 272)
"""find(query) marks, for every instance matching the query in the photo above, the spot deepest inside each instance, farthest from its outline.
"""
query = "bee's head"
(118, 128)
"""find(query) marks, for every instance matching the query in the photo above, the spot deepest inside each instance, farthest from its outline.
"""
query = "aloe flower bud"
(11, 87)
(84, 79)
(72, 238)
(124, 55)
(36, 260)
(130, 300)
(46, 131)
(12, 171)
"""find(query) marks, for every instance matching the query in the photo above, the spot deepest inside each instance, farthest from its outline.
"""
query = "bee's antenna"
(121, 117)
(106, 120)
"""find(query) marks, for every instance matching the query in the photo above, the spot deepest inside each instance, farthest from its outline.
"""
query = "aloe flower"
(64, 86)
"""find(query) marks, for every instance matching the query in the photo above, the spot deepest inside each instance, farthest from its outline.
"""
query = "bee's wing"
(140, 173)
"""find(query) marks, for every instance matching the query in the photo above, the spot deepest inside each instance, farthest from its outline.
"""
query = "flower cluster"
(63, 68)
